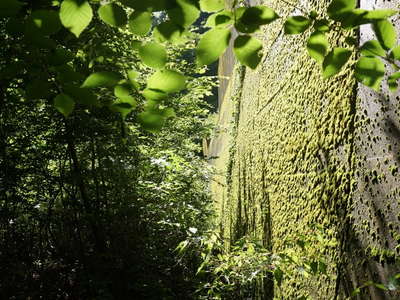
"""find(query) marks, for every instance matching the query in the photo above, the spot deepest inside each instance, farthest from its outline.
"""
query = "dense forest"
(131, 168)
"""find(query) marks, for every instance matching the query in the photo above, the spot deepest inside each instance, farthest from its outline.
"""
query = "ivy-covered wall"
(296, 150)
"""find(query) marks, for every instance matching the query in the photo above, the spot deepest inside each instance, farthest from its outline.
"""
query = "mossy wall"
(296, 150)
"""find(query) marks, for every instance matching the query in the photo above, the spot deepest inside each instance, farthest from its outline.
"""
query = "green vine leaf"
(317, 46)
(185, 13)
(386, 33)
(169, 32)
(153, 55)
(296, 25)
(75, 15)
(113, 15)
(380, 14)
(212, 44)
(242, 26)
(101, 79)
(259, 15)
(370, 71)
(395, 53)
(154, 94)
(321, 25)
(64, 104)
(151, 120)
(140, 22)
(357, 17)
(372, 48)
(212, 5)
(82, 95)
(393, 81)
(125, 102)
(149, 5)
(221, 19)
(247, 50)
(334, 61)
(167, 81)
(338, 8)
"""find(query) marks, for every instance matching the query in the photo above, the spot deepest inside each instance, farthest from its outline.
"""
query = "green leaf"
(395, 53)
(296, 25)
(386, 33)
(75, 15)
(168, 81)
(113, 15)
(221, 19)
(372, 48)
(212, 5)
(140, 22)
(9, 8)
(211, 45)
(353, 18)
(64, 104)
(241, 26)
(169, 31)
(153, 55)
(338, 7)
(185, 13)
(82, 95)
(122, 91)
(356, 292)
(321, 25)
(317, 46)
(392, 81)
(370, 71)
(247, 50)
(46, 22)
(380, 14)
(151, 120)
(132, 75)
(149, 5)
(101, 79)
(258, 15)
(154, 94)
(334, 61)
(125, 102)
(356, 17)
(381, 286)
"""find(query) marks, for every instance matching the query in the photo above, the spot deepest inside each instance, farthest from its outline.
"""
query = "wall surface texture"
(296, 150)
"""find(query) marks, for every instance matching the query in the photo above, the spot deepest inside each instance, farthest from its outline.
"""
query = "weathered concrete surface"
(296, 150)
(373, 244)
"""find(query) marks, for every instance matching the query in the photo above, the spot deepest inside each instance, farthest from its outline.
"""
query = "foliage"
(43, 30)
(93, 205)
(90, 197)
(234, 272)
(393, 284)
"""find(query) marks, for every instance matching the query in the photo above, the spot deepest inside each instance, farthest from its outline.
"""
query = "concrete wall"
(295, 150)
